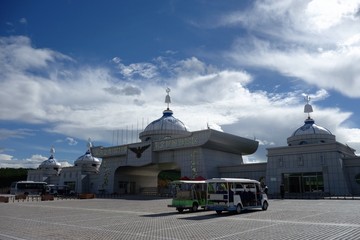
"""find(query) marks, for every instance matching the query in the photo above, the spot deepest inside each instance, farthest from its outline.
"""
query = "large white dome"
(165, 127)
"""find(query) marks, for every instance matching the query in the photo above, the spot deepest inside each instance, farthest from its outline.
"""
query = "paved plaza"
(134, 218)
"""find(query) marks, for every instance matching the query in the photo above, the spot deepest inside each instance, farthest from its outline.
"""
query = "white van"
(28, 188)
(235, 194)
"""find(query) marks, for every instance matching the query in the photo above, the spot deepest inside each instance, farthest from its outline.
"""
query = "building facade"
(313, 162)
(166, 145)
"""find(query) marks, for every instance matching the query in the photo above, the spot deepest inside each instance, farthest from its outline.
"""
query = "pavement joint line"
(12, 237)
(308, 218)
(89, 209)
(190, 224)
(142, 234)
(300, 222)
(246, 231)
(337, 236)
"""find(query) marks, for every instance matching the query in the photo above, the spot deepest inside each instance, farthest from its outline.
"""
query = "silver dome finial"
(167, 98)
(308, 108)
(89, 144)
(52, 151)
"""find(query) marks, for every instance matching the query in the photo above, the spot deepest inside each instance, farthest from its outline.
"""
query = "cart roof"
(188, 181)
(239, 180)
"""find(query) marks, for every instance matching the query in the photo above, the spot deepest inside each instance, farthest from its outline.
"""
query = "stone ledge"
(4, 199)
(86, 195)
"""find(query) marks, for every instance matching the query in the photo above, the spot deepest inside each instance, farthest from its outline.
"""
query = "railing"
(314, 195)
(150, 191)
(34, 198)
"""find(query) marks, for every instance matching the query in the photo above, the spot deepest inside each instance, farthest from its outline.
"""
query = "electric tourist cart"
(235, 194)
(188, 194)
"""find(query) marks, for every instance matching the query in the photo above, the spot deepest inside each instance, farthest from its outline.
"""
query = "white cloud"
(8, 161)
(144, 70)
(332, 69)
(18, 133)
(325, 14)
(85, 102)
(23, 21)
(66, 164)
(17, 54)
(71, 141)
(5, 157)
(314, 41)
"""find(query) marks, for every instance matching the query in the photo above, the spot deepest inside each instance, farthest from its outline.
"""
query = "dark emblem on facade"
(139, 150)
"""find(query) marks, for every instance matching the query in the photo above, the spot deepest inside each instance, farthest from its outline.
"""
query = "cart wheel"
(238, 209)
(218, 211)
(265, 206)
(180, 210)
(194, 207)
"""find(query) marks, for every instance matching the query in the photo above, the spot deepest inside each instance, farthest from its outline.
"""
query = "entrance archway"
(144, 179)
(164, 179)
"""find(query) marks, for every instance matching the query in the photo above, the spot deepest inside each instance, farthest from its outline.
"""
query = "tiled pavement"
(152, 219)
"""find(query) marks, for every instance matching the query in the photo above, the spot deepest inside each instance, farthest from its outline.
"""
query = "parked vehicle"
(59, 190)
(188, 194)
(235, 194)
(28, 188)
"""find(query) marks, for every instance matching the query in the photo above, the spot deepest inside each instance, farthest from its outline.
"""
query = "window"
(300, 161)
(281, 162)
(322, 159)
(357, 178)
(304, 182)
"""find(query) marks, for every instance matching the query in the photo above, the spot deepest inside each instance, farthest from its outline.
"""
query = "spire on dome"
(52, 151)
(308, 108)
(167, 98)
(89, 144)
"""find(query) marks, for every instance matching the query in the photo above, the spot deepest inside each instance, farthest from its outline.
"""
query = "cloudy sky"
(73, 70)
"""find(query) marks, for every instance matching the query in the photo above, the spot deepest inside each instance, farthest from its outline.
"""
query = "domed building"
(165, 127)
(79, 178)
(48, 171)
(313, 164)
(168, 146)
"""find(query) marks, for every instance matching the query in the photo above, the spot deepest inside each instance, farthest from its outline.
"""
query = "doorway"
(303, 182)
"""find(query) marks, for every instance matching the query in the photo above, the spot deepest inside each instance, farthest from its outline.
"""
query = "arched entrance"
(164, 179)
(144, 179)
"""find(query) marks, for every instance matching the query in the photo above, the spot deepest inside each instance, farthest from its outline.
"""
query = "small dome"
(87, 162)
(50, 163)
(310, 133)
(311, 128)
(86, 158)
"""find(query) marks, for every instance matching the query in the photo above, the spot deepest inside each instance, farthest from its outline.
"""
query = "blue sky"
(73, 70)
